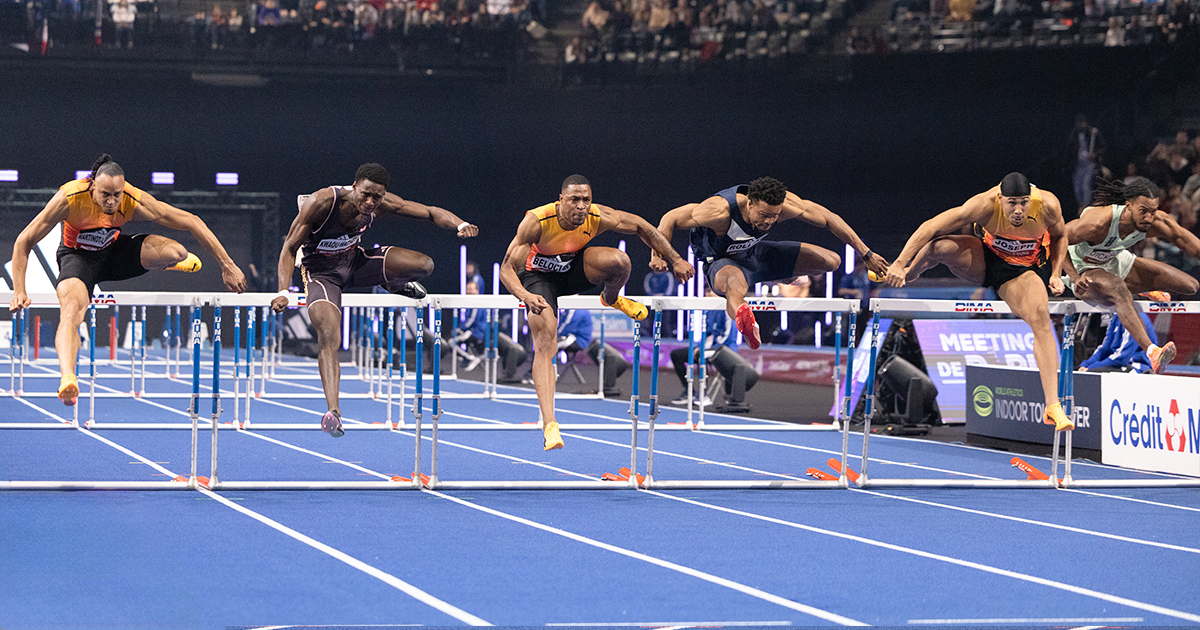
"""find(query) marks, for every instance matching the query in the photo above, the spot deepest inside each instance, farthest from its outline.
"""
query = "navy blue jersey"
(737, 243)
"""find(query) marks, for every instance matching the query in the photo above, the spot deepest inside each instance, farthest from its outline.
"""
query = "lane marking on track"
(1077, 530)
(666, 564)
(1025, 577)
(1027, 620)
(387, 578)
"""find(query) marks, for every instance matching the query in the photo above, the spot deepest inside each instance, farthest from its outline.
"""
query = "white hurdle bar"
(701, 304)
(1067, 308)
(192, 481)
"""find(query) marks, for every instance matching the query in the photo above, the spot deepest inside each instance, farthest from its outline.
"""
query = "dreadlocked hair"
(1116, 192)
(104, 165)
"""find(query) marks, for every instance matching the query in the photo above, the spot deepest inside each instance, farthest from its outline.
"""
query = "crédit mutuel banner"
(1151, 422)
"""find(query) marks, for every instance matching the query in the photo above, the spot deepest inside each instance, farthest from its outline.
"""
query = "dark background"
(886, 143)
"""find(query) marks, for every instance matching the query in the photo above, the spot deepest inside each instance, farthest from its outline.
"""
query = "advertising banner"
(1008, 403)
(1152, 423)
(949, 345)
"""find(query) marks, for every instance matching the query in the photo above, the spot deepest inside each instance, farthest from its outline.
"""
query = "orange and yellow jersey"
(557, 247)
(1024, 245)
(87, 226)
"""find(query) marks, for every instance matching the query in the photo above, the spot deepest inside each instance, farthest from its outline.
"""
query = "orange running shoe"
(747, 326)
(1160, 357)
(68, 389)
(551, 440)
(191, 264)
(1156, 296)
(636, 310)
(1054, 415)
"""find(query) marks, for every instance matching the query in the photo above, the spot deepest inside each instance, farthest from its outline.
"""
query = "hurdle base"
(956, 483)
(312, 485)
(733, 484)
(582, 484)
(1131, 483)
(94, 485)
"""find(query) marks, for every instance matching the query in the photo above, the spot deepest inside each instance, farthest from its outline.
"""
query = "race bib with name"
(97, 238)
(554, 264)
(337, 245)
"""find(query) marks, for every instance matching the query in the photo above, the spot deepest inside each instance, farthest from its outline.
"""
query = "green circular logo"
(982, 397)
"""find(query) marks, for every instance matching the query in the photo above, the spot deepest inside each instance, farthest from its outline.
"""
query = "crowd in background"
(961, 24)
(479, 28)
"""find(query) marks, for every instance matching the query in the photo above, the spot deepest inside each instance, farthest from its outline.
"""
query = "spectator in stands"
(320, 25)
(1131, 171)
(218, 28)
(1115, 36)
(123, 16)
(594, 19)
(1179, 207)
(961, 10)
(660, 15)
(235, 24)
(1191, 188)
(1086, 145)
(1182, 146)
(1120, 352)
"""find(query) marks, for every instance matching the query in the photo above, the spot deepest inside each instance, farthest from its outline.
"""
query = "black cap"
(1014, 185)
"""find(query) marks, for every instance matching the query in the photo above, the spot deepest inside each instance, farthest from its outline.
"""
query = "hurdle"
(699, 305)
(1068, 309)
(192, 481)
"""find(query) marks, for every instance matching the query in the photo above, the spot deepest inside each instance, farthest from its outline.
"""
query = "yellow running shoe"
(1160, 357)
(1054, 415)
(551, 440)
(1156, 296)
(636, 310)
(68, 389)
(191, 264)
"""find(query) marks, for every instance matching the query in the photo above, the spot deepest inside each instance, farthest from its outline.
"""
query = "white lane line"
(663, 625)
(1077, 530)
(1147, 502)
(1027, 620)
(386, 578)
(839, 452)
(1071, 588)
(708, 577)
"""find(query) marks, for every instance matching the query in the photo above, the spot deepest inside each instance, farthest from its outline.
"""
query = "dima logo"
(982, 397)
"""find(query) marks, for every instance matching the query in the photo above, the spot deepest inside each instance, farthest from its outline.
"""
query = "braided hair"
(104, 165)
(1118, 193)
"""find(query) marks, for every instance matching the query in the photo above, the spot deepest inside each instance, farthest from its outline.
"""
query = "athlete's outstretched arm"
(1057, 230)
(974, 210)
(439, 216)
(54, 212)
(162, 213)
(1166, 228)
(528, 233)
(1091, 226)
(629, 223)
(303, 225)
(820, 216)
(712, 213)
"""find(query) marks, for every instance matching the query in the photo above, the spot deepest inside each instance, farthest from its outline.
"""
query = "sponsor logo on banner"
(762, 305)
(102, 299)
(1152, 423)
(1168, 307)
(974, 307)
(983, 401)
